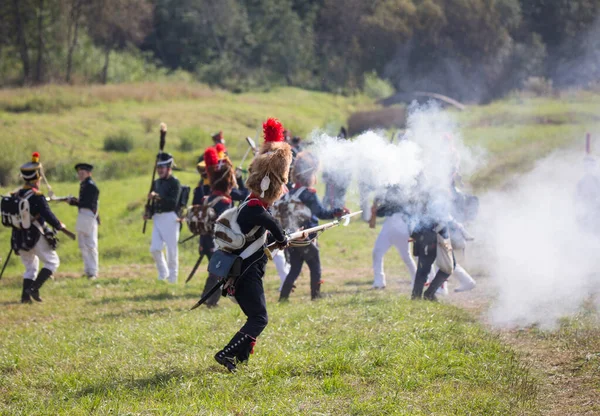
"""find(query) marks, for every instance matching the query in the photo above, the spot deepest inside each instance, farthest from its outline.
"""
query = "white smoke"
(531, 239)
(422, 161)
(540, 251)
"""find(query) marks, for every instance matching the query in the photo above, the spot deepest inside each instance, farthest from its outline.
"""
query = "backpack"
(200, 219)
(290, 211)
(16, 211)
(228, 234)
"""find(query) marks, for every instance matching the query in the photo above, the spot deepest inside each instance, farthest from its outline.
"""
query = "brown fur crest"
(275, 163)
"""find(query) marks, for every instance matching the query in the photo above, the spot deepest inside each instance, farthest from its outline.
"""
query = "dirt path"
(569, 369)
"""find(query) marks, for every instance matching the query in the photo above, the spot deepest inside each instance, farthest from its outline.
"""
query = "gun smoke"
(529, 239)
(538, 245)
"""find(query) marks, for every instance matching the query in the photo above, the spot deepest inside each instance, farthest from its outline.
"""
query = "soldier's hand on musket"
(72, 201)
(340, 212)
(153, 195)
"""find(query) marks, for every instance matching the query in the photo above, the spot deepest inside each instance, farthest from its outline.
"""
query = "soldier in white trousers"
(282, 266)
(165, 232)
(395, 232)
(87, 219)
(32, 239)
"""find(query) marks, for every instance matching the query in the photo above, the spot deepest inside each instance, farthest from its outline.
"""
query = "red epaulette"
(227, 200)
(255, 202)
(311, 190)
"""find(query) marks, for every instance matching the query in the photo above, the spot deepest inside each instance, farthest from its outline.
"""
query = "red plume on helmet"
(211, 157)
(273, 130)
(220, 148)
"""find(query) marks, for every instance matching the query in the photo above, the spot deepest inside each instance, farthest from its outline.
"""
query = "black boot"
(238, 350)
(315, 290)
(25, 298)
(34, 290)
(435, 284)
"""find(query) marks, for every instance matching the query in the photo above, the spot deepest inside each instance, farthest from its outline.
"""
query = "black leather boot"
(42, 277)
(238, 350)
(25, 298)
(435, 284)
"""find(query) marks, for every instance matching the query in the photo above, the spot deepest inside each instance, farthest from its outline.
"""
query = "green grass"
(127, 344)
(130, 346)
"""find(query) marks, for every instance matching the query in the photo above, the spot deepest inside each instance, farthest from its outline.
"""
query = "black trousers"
(250, 295)
(299, 255)
(426, 249)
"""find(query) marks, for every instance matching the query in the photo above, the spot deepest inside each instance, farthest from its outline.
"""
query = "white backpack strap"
(254, 247)
(214, 201)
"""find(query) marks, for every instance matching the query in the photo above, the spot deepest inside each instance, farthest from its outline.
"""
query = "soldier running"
(267, 176)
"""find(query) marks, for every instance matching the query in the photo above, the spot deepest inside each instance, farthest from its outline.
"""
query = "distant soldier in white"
(394, 232)
(32, 239)
(164, 199)
(87, 219)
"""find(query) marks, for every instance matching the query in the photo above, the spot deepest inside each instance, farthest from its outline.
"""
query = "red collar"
(255, 201)
(219, 193)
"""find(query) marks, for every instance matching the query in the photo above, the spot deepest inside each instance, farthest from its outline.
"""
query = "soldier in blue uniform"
(305, 170)
(87, 219)
(36, 243)
(165, 232)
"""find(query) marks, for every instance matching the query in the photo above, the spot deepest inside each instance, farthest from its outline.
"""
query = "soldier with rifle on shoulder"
(164, 199)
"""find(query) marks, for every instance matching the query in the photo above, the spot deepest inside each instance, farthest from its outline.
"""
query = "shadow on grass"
(146, 298)
(138, 312)
(156, 381)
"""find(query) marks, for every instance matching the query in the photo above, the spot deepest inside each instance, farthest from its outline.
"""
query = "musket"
(208, 294)
(163, 137)
(195, 268)
(59, 198)
(188, 238)
(68, 233)
(251, 146)
(6, 262)
(343, 220)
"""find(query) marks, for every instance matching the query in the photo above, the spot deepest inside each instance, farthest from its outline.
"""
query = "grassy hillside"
(68, 124)
(127, 344)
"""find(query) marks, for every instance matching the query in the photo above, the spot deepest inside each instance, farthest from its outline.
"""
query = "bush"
(376, 87)
(538, 87)
(193, 138)
(121, 142)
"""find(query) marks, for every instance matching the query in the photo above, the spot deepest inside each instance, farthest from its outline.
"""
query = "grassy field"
(126, 344)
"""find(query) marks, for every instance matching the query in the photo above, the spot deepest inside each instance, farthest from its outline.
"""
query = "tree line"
(469, 49)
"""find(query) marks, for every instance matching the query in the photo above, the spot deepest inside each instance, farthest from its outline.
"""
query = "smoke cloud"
(538, 244)
(532, 239)
(421, 161)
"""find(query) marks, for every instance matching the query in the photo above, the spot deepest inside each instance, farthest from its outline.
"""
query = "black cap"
(165, 159)
(84, 166)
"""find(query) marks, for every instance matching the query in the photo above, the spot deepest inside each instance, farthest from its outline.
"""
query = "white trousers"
(165, 232)
(282, 266)
(87, 238)
(31, 259)
(394, 232)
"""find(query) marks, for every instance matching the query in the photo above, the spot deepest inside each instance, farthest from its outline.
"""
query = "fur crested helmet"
(220, 171)
(268, 172)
